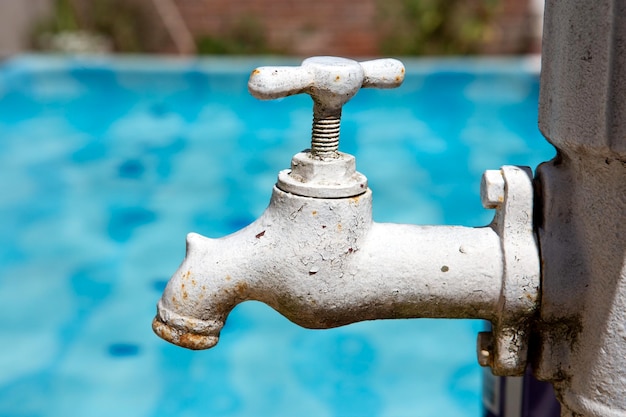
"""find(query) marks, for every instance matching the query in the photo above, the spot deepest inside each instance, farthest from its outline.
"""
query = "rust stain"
(403, 70)
(186, 274)
(260, 235)
(337, 78)
(193, 282)
(195, 341)
(228, 278)
(162, 329)
(445, 268)
(339, 227)
(256, 72)
(355, 199)
(188, 340)
(314, 212)
(185, 295)
(399, 78)
(241, 288)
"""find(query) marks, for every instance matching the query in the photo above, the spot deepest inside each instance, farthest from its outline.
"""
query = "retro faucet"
(316, 256)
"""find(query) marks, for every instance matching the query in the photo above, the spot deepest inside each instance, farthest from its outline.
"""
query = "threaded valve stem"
(325, 136)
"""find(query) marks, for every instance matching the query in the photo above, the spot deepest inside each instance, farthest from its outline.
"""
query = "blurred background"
(280, 27)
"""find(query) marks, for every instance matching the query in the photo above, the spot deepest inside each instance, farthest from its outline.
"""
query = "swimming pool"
(108, 163)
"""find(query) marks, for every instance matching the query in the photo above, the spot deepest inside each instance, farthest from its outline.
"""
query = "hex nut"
(306, 168)
(322, 178)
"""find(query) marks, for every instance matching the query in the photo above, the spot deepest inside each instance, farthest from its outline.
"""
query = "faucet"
(316, 256)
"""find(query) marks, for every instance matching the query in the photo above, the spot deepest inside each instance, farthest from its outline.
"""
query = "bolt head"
(492, 189)
(484, 348)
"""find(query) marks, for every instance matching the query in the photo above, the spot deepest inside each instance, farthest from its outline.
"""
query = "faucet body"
(324, 263)
(317, 257)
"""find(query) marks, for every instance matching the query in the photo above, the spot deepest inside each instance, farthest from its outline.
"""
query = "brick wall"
(335, 27)
(516, 29)
(293, 26)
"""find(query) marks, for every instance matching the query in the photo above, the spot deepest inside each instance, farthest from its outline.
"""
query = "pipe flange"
(510, 192)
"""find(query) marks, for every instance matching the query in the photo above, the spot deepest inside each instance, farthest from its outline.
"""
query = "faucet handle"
(383, 73)
(330, 81)
(323, 171)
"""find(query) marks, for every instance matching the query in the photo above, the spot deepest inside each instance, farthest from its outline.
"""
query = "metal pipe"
(582, 229)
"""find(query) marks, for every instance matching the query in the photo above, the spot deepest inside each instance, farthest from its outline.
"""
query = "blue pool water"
(106, 164)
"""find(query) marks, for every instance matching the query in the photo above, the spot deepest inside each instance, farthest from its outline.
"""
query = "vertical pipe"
(582, 221)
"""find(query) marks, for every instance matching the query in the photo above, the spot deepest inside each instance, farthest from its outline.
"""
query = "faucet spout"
(191, 312)
(323, 263)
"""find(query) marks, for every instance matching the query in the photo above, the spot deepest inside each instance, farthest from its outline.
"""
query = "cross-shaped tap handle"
(331, 82)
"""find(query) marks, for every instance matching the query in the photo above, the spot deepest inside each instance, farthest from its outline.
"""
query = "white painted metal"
(330, 81)
(322, 178)
(322, 262)
(323, 171)
(520, 287)
(492, 189)
(317, 257)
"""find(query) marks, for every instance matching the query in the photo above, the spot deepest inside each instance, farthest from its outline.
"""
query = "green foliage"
(63, 19)
(118, 20)
(435, 27)
(245, 37)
